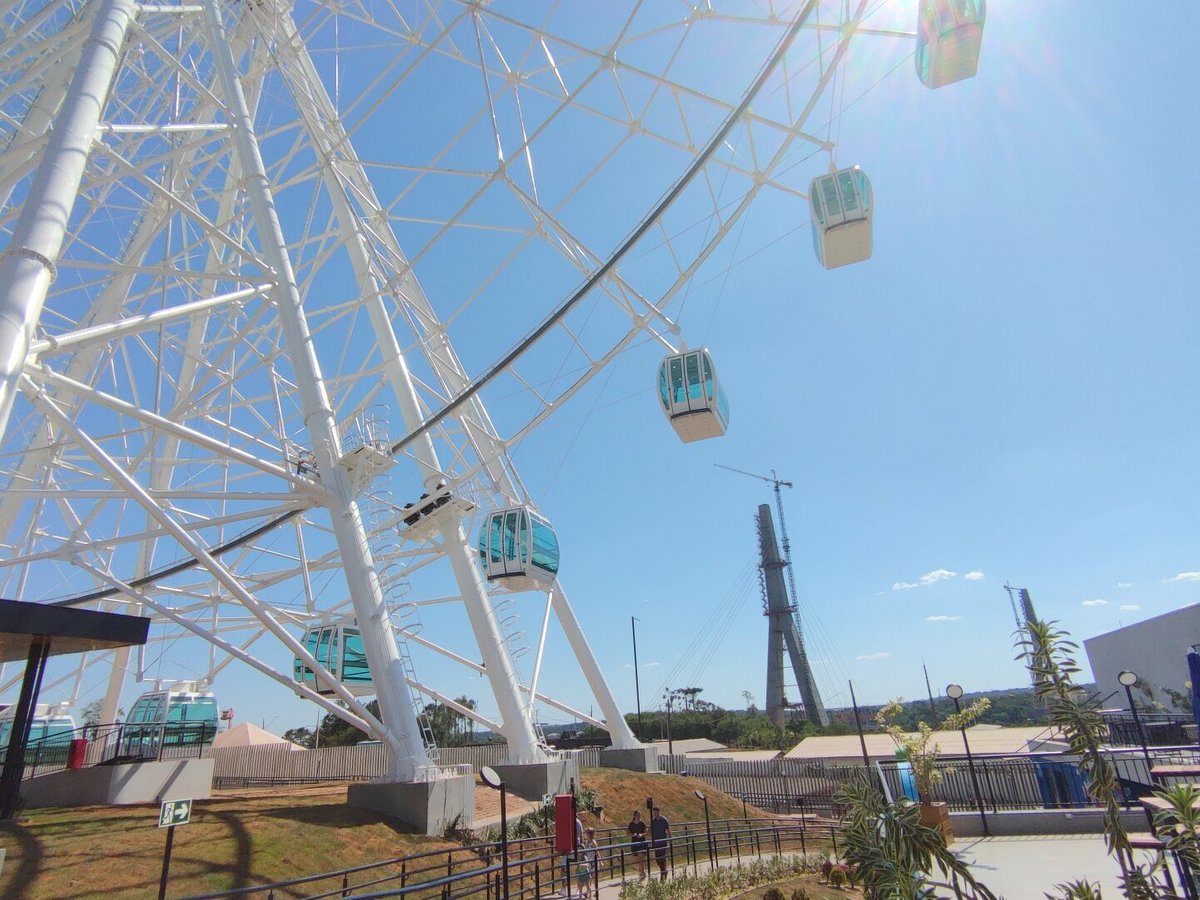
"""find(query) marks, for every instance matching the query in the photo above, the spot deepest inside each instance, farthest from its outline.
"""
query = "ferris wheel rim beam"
(628, 243)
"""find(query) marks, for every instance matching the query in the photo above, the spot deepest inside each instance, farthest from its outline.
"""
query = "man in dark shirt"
(637, 834)
(660, 833)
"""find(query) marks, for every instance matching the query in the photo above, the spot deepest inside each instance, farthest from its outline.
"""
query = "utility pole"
(929, 691)
(781, 612)
(637, 690)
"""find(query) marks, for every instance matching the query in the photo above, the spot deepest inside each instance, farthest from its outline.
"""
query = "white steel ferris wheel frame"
(208, 291)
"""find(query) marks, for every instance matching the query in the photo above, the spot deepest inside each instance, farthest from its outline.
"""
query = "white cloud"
(1183, 576)
(904, 586)
(942, 618)
(874, 656)
(937, 575)
(1130, 607)
(976, 575)
(1121, 585)
(1096, 602)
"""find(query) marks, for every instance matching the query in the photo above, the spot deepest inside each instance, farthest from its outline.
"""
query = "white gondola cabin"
(949, 35)
(340, 649)
(519, 549)
(692, 397)
(841, 207)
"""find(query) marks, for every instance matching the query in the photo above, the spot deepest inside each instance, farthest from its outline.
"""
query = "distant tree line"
(691, 717)
(450, 728)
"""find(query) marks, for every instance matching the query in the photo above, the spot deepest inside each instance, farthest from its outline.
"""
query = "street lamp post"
(712, 856)
(955, 692)
(492, 779)
(1127, 680)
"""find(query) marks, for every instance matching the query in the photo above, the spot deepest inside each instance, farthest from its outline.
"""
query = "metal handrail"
(120, 742)
(546, 869)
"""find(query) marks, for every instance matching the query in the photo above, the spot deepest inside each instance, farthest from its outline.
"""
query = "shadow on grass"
(339, 816)
(29, 857)
(243, 856)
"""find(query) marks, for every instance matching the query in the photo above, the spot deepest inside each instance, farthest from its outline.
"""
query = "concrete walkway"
(1015, 868)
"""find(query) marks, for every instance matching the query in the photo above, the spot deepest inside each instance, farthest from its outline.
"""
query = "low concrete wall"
(639, 759)
(1043, 821)
(148, 782)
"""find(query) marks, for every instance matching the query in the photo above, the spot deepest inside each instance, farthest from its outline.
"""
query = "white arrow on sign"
(174, 812)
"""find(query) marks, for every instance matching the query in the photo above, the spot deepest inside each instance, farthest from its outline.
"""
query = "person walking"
(588, 865)
(641, 848)
(660, 834)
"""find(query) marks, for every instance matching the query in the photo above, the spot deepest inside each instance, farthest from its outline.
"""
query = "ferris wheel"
(284, 285)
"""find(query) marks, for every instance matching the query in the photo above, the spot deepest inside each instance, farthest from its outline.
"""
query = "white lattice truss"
(215, 216)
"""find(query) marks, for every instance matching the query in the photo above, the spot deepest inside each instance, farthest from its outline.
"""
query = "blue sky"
(1000, 393)
(994, 396)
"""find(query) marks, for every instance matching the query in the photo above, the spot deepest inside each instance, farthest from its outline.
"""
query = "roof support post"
(14, 760)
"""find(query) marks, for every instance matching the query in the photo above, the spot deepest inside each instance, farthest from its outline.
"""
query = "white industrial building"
(1156, 649)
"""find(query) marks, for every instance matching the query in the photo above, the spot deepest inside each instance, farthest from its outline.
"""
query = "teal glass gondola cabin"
(949, 36)
(692, 397)
(519, 549)
(176, 717)
(340, 649)
(841, 207)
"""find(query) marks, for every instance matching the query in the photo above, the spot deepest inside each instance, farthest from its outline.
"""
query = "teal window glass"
(322, 653)
(663, 393)
(510, 536)
(678, 392)
(849, 191)
(523, 529)
(545, 547)
(204, 709)
(354, 658)
(829, 194)
(693, 376)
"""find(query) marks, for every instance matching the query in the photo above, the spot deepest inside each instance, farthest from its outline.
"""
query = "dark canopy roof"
(69, 630)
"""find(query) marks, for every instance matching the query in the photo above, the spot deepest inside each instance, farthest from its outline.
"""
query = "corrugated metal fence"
(280, 764)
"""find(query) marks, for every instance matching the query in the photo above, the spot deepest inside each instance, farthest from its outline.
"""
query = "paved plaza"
(1017, 868)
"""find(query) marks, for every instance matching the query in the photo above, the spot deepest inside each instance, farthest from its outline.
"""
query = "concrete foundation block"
(428, 806)
(637, 759)
(535, 780)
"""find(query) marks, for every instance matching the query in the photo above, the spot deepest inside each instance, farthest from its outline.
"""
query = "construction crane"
(776, 483)
(780, 608)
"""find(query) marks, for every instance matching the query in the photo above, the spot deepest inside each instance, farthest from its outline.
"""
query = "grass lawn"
(239, 839)
(248, 837)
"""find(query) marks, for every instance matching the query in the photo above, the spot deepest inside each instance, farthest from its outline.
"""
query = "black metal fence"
(97, 745)
(1157, 729)
(535, 870)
